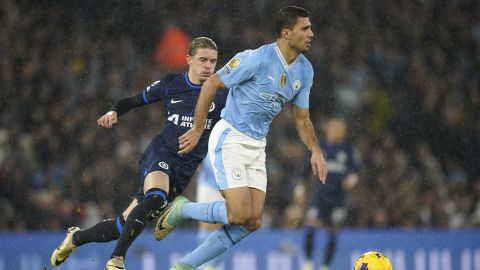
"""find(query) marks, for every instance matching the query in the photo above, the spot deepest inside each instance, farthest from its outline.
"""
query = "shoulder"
(258, 54)
(266, 52)
(305, 63)
(259, 57)
(166, 79)
(173, 77)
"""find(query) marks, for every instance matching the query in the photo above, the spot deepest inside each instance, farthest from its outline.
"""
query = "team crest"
(283, 80)
(297, 84)
(237, 174)
(163, 165)
(233, 63)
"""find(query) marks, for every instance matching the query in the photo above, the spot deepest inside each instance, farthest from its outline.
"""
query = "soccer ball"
(372, 260)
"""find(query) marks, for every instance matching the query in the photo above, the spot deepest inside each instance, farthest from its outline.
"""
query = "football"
(372, 260)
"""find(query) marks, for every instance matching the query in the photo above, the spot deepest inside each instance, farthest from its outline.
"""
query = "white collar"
(282, 59)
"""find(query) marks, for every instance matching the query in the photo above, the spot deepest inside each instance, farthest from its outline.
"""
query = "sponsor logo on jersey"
(187, 121)
(173, 101)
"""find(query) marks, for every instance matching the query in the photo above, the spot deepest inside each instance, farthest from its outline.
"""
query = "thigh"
(156, 179)
(156, 159)
(258, 201)
(161, 167)
(238, 199)
(245, 199)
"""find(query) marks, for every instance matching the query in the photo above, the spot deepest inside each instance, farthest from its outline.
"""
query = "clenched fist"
(108, 119)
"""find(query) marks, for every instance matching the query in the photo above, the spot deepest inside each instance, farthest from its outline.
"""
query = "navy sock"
(137, 220)
(104, 231)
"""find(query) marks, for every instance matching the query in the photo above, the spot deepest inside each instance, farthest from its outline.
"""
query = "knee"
(156, 199)
(246, 218)
(254, 224)
(238, 218)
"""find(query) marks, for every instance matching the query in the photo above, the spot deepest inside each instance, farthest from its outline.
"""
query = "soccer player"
(260, 82)
(207, 191)
(328, 203)
(164, 173)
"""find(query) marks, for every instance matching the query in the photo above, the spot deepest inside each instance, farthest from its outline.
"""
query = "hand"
(319, 165)
(108, 120)
(189, 140)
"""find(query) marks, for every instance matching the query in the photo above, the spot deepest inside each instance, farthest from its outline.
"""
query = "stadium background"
(405, 75)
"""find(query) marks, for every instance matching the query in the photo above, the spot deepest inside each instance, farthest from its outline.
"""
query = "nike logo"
(136, 220)
(57, 262)
(162, 218)
(173, 101)
(160, 222)
(271, 78)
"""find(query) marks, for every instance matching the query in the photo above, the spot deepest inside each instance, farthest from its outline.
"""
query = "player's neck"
(288, 53)
(193, 79)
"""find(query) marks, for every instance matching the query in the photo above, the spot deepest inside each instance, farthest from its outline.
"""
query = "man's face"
(202, 64)
(301, 35)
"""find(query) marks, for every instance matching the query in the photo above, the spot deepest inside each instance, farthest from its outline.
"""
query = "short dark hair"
(287, 18)
(201, 43)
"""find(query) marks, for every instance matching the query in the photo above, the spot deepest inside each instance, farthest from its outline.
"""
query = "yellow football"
(372, 260)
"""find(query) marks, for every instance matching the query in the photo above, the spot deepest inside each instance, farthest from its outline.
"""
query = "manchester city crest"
(297, 84)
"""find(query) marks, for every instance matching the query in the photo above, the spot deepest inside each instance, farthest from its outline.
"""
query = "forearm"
(207, 93)
(126, 104)
(306, 132)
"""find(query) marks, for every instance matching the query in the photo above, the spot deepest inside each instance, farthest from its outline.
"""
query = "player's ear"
(189, 59)
(286, 33)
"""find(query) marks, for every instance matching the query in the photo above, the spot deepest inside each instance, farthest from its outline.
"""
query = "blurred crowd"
(405, 76)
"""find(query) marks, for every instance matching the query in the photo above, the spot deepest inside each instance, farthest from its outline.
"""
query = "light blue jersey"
(206, 175)
(260, 83)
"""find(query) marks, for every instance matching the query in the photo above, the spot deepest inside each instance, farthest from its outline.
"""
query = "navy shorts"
(329, 200)
(180, 169)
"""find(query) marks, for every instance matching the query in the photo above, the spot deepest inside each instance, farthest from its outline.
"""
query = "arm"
(120, 107)
(306, 132)
(190, 139)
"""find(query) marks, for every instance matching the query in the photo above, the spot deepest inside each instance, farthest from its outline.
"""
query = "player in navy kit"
(164, 173)
(328, 207)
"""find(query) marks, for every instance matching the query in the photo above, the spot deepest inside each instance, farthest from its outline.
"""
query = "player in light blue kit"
(261, 81)
(207, 191)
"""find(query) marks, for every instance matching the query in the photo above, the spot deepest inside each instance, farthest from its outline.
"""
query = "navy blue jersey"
(179, 96)
(340, 163)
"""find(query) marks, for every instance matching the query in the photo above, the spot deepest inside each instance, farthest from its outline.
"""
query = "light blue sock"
(216, 244)
(202, 236)
(211, 212)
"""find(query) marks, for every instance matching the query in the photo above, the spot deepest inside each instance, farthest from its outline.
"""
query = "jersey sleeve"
(301, 100)
(239, 69)
(155, 92)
